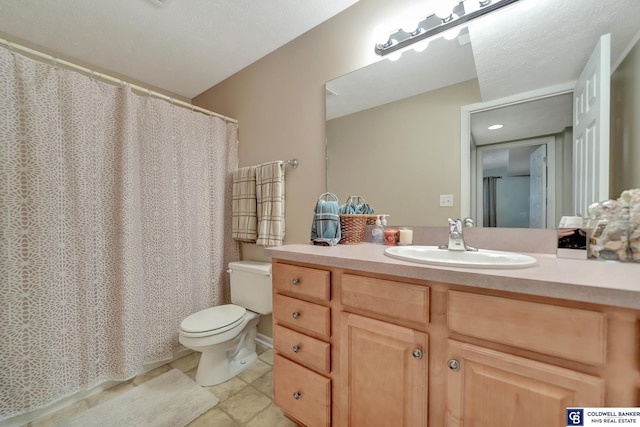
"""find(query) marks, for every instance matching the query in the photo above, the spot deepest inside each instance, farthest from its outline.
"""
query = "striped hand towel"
(270, 197)
(244, 226)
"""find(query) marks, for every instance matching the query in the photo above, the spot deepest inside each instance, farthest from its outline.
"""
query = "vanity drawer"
(568, 333)
(302, 315)
(395, 300)
(307, 351)
(302, 281)
(301, 393)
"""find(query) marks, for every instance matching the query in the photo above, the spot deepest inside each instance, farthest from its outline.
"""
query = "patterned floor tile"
(264, 384)
(267, 356)
(257, 370)
(227, 389)
(187, 362)
(245, 405)
(271, 417)
(213, 418)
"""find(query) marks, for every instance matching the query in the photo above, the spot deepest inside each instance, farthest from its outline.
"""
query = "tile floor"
(246, 400)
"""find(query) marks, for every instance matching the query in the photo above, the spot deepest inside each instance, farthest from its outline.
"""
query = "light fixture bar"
(433, 25)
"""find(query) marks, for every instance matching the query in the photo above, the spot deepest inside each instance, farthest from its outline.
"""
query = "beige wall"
(625, 124)
(412, 153)
(279, 102)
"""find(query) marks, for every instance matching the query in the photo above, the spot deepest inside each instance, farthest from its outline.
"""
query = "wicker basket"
(352, 228)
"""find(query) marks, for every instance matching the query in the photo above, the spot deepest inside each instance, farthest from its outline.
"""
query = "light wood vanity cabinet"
(384, 379)
(384, 366)
(492, 388)
(383, 351)
(302, 333)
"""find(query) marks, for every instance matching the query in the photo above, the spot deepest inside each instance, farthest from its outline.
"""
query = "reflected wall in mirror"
(531, 153)
(394, 128)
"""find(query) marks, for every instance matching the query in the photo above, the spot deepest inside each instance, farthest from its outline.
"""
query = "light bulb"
(444, 10)
(381, 35)
(394, 56)
(451, 34)
(409, 24)
(420, 46)
(471, 6)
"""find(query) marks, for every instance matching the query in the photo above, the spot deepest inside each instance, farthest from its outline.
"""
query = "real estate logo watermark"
(602, 416)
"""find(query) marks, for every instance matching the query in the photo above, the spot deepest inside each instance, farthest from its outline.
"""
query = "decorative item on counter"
(377, 232)
(391, 234)
(632, 199)
(325, 227)
(355, 214)
(405, 236)
(615, 234)
(356, 205)
(572, 238)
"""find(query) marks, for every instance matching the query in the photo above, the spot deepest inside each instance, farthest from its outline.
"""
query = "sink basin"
(481, 259)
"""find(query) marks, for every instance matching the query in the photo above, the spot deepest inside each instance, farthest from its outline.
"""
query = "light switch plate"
(446, 200)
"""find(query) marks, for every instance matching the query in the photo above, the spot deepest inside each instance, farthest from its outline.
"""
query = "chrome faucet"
(456, 236)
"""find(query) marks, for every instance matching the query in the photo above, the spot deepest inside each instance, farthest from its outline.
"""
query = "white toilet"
(225, 335)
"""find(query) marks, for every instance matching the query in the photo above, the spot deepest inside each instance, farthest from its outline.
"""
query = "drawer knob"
(296, 314)
(454, 365)
(296, 348)
(417, 353)
(295, 281)
(297, 395)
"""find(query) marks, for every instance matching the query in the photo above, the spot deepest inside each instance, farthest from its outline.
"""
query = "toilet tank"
(251, 285)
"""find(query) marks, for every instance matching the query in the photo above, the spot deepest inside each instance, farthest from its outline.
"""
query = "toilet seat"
(213, 320)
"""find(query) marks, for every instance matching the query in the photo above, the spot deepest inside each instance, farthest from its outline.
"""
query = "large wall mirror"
(394, 128)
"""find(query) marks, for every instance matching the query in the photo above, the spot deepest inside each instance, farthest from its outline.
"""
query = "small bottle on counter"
(377, 233)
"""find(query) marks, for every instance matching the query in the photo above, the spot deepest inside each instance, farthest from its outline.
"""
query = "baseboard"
(264, 340)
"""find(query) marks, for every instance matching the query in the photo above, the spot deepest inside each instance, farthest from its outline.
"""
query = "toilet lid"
(213, 318)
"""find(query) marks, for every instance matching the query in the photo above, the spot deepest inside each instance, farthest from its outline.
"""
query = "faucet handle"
(468, 222)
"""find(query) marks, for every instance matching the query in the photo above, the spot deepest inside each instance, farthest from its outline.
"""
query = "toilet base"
(208, 377)
(218, 366)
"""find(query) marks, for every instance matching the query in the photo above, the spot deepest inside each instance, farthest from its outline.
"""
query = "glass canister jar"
(610, 231)
(634, 242)
(631, 198)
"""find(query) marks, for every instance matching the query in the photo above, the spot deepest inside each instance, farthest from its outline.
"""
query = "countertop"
(608, 283)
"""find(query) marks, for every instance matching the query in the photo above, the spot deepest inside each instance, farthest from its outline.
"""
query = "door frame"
(476, 180)
(465, 134)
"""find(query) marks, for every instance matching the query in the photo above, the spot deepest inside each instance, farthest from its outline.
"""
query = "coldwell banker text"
(599, 416)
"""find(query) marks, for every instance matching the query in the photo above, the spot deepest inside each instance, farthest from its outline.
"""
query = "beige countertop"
(607, 283)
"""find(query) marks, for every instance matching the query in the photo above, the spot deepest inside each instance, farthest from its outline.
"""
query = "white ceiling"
(185, 46)
(544, 116)
(530, 45)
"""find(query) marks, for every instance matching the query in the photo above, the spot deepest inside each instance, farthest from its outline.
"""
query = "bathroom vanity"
(361, 339)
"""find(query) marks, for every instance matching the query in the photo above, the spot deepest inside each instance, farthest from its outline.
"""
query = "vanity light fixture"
(460, 12)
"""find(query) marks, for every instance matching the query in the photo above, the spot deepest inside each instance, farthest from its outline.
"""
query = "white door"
(538, 188)
(591, 129)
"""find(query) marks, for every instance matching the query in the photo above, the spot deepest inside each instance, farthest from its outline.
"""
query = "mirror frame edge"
(465, 132)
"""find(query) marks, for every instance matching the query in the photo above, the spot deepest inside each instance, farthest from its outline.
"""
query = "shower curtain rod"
(14, 46)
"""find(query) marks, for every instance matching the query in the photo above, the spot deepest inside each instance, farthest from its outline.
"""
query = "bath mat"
(172, 400)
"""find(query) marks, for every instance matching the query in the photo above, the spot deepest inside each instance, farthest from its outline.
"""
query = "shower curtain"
(489, 198)
(114, 210)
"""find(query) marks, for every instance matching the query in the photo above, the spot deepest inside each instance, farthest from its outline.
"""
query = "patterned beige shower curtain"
(116, 218)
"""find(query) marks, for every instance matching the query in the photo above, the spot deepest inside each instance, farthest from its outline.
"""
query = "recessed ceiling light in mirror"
(495, 127)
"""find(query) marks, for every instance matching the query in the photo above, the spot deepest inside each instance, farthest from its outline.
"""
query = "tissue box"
(572, 238)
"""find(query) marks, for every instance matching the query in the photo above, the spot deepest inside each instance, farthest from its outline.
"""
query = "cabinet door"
(383, 374)
(487, 388)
